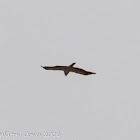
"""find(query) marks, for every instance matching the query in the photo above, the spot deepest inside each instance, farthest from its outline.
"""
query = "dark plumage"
(68, 69)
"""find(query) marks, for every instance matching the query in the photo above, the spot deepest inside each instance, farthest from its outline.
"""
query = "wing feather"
(54, 67)
(81, 71)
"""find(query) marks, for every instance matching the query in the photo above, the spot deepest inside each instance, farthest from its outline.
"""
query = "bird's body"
(68, 69)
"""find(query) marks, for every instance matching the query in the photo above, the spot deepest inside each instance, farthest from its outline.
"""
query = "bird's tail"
(66, 72)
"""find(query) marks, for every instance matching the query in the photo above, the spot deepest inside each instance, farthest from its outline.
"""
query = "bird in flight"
(68, 69)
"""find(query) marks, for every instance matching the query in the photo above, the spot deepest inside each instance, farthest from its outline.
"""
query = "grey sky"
(100, 36)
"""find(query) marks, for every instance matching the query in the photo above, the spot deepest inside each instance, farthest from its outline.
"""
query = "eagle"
(68, 69)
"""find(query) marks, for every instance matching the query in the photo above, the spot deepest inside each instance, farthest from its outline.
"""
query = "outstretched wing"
(81, 71)
(55, 68)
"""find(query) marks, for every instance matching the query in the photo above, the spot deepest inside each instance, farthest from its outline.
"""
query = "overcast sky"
(102, 36)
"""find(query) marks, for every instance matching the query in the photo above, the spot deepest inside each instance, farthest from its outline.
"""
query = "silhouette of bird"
(68, 69)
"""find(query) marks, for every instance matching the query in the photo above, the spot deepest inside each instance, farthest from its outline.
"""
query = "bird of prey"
(68, 69)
